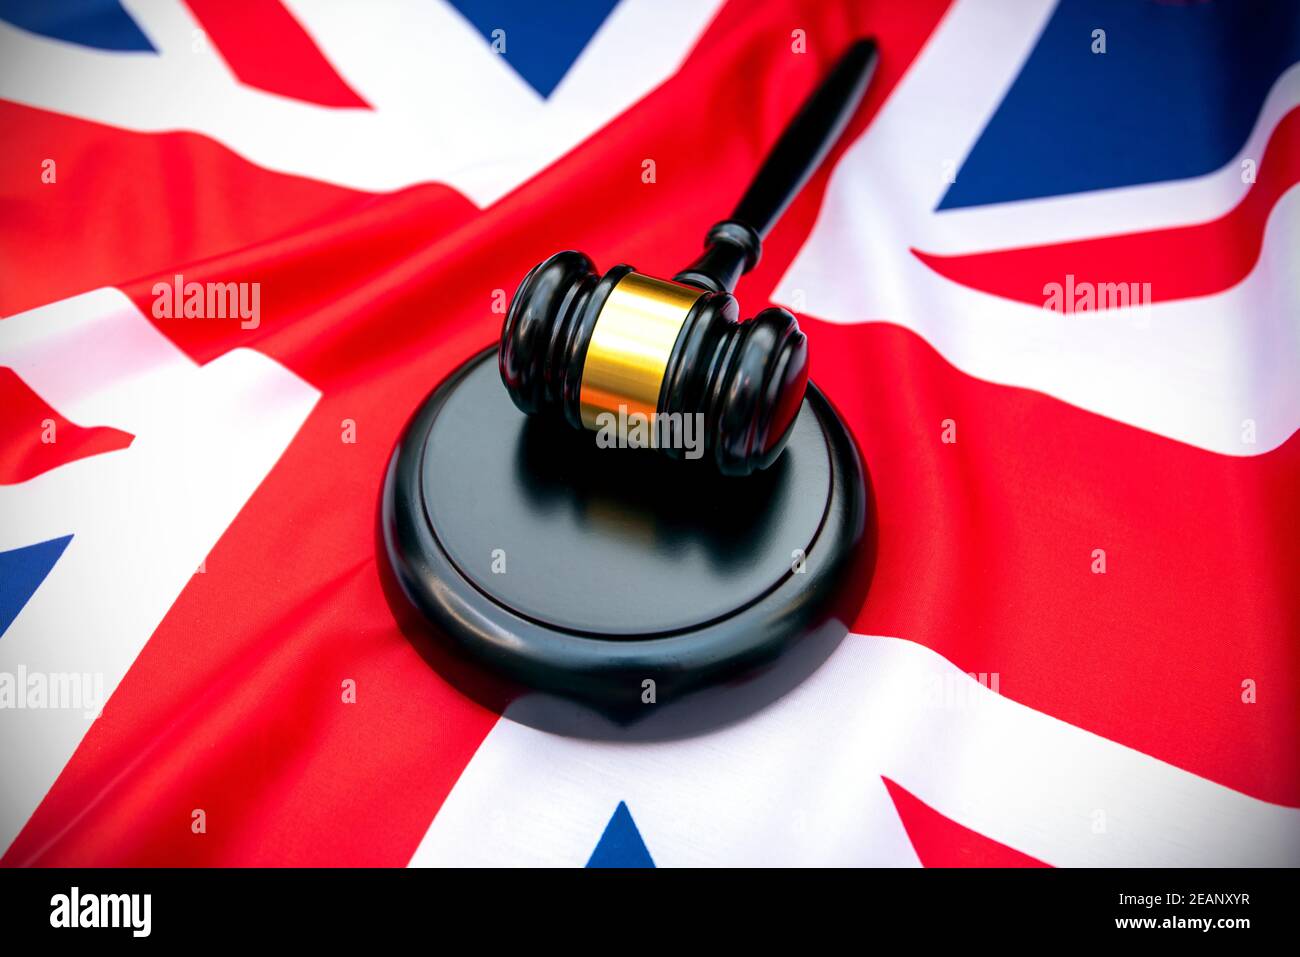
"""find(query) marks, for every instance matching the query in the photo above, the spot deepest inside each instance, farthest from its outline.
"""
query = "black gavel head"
(600, 350)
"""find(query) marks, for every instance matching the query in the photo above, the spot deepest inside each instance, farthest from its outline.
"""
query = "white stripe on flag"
(800, 784)
(142, 519)
(412, 60)
(1193, 370)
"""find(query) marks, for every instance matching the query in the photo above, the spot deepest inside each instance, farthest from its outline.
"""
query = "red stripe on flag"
(268, 49)
(941, 842)
(1179, 263)
(34, 438)
(124, 205)
(986, 554)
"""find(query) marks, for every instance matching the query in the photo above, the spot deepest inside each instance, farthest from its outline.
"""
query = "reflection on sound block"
(663, 504)
(618, 592)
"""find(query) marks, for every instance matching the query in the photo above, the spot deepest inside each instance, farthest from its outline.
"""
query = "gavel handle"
(733, 245)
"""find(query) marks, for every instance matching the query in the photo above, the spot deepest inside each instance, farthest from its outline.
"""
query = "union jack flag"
(1050, 280)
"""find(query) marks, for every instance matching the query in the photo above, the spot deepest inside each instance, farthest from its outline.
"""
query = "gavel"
(580, 346)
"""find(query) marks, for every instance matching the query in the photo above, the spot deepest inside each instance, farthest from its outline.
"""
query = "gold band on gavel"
(630, 346)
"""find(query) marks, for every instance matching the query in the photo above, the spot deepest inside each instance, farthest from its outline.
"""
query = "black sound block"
(613, 592)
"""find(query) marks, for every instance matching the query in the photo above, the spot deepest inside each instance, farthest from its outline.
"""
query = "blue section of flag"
(21, 572)
(1175, 95)
(621, 844)
(541, 40)
(102, 24)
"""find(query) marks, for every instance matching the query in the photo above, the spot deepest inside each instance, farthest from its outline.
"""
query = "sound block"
(610, 592)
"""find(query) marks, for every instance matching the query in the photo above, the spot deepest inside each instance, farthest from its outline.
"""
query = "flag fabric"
(1050, 280)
